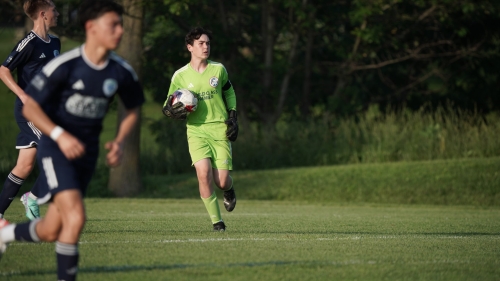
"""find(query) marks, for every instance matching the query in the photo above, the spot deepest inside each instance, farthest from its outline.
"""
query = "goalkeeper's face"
(200, 48)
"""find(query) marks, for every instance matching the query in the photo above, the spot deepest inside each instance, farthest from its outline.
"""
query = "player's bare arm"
(70, 146)
(9, 81)
(115, 147)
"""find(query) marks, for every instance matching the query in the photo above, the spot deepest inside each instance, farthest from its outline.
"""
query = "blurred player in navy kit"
(28, 57)
(68, 102)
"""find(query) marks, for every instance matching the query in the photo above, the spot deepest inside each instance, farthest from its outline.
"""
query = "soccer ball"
(187, 98)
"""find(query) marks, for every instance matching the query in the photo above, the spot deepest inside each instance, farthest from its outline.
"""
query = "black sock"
(26, 231)
(10, 189)
(67, 261)
(35, 190)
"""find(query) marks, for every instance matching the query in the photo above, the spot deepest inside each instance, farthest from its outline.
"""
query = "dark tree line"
(307, 57)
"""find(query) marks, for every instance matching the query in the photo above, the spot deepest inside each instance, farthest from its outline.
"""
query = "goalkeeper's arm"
(232, 121)
(229, 96)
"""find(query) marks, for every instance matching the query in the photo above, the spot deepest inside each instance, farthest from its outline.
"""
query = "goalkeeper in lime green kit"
(212, 126)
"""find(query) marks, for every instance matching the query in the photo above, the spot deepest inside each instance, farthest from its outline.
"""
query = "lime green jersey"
(212, 88)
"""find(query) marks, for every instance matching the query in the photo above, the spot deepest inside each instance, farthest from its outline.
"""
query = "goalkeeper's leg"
(222, 164)
(207, 193)
(225, 182)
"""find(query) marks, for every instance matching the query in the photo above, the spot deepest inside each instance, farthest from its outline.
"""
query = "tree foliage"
(305, 58)
(308, 57)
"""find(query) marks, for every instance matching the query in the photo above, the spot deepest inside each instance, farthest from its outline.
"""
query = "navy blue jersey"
(28, 57)
(75, 93)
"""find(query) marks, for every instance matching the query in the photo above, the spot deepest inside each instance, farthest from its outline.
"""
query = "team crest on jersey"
(214, 81)
(109, 87)
(86, 106)
(38, 82)
(56, 53)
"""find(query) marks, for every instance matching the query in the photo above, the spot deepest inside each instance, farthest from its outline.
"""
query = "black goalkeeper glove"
(176, 111)
(232, 126)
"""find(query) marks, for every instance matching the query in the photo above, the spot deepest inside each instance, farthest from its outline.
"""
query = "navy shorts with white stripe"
(29, 135)
(57, 173)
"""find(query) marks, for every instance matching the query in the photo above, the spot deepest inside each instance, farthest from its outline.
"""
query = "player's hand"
(176, 111)
(115, 153)
(70, 146)
(232, 126)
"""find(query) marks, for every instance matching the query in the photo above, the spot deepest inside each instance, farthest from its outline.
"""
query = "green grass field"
(473, 181)
(146, 239)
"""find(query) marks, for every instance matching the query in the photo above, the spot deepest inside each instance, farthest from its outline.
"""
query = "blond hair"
(32, 7)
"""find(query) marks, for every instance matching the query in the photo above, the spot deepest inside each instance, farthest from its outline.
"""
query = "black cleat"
(229, 200)
(219, 226)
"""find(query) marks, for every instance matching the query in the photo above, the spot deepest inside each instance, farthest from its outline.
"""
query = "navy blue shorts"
(29, 135)
(57, 173)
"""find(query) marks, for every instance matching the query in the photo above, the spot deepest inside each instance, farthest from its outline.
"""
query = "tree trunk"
(125, 180)
(283, 93)
(268, 32)
(286, 81)
(306, 91)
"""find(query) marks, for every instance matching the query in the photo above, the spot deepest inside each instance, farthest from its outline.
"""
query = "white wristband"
(56, 132)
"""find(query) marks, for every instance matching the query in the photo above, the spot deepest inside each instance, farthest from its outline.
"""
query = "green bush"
(371, 137)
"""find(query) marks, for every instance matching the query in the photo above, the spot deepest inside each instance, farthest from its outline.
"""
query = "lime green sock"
(212, 206)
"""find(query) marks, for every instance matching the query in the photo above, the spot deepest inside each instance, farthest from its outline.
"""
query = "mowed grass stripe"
(110, 269)
(163, 239)
(472, 181)
(224, 240)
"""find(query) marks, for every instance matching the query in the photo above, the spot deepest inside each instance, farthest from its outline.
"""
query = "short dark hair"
(32, 7)
(196, 33)
(93, 9)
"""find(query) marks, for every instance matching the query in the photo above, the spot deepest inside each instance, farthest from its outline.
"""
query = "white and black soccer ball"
(187, 98)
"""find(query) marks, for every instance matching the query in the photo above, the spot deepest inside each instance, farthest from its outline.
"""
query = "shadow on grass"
(388, 234)
(380, 233)
(297, 232)
(129, 268)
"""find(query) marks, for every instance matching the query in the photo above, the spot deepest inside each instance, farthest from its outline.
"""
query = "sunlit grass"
(157, 239)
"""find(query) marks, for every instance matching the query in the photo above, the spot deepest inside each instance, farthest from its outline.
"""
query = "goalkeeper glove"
(232, 126)
(176, 111)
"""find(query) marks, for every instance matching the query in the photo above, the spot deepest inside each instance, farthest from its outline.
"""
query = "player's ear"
(88, 24)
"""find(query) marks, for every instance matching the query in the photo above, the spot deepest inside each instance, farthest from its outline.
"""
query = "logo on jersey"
(9, 59)
(87, 106)
(78, 85)
(190, 85)
(109, 87)
(38, 82)
(214, 81)
(208, 95)
(42, 56)
(56, 53)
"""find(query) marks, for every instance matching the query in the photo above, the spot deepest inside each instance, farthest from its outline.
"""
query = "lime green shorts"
(219, 152)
